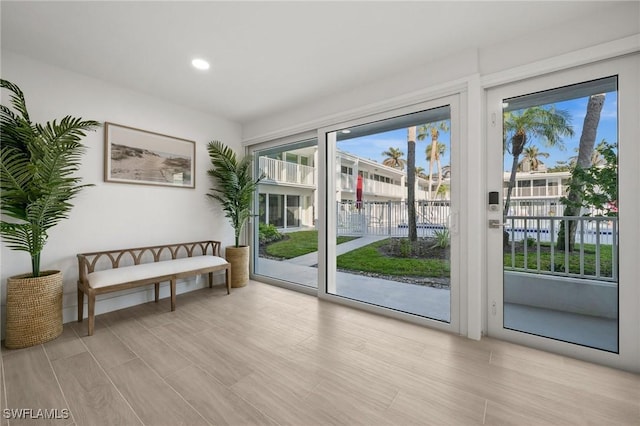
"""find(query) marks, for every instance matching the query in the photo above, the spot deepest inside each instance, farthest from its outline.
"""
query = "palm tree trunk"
(512, 184)
(411, 183)
(439, 168)
(507, 202)
(432, 159)
(585, 150)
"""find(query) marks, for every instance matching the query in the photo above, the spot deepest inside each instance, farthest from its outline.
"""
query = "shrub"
(441, 238)
(405, 247)
(268, 233)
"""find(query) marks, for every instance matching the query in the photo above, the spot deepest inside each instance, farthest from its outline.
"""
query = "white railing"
(535, 191)
(381, 189)
(543, 207)
(533, 246)
(372, 187)
(285, 172)
(391, 218)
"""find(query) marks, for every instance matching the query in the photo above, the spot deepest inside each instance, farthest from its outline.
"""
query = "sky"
(372, 146)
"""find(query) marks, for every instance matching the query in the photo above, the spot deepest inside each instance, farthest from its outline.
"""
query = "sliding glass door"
(391, 209)
(285, 238)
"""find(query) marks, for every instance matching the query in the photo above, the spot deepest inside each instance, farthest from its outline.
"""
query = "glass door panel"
(562, 244)
(393, 211)
(285, 237)
(560, 273)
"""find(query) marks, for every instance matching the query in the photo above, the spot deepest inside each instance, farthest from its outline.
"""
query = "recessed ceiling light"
(346, 131)
(200, 64)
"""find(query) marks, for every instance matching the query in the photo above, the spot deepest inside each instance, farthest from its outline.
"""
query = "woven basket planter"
(34, 309)
(238, 257)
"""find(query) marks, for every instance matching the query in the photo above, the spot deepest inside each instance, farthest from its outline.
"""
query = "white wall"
(115, 215)
(443, 74)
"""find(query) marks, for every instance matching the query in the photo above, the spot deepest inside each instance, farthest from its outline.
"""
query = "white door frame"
(627, 69)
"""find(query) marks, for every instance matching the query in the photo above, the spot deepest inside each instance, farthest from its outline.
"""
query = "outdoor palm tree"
(524, 126)
(441, 149)
(394, 158)
(597, 159)
(411, 183)
(432, 129)
(584, 162)
(530, 160)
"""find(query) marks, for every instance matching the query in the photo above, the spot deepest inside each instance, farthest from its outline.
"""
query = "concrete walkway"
(415, 299)
(311, 259)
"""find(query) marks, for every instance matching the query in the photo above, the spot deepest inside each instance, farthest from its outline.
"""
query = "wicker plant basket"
(238, 257)
(34, 309)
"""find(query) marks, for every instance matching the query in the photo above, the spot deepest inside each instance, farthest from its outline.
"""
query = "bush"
(441, 238)
(268, 233)
(405, 247)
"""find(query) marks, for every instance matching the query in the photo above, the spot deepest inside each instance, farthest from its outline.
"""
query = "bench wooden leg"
(227, 276)
(157, 291)
(80, 304)
(91, 314)
(173, 295)
(210, 279)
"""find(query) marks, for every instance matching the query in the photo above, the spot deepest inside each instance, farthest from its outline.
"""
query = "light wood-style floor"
(266, 355)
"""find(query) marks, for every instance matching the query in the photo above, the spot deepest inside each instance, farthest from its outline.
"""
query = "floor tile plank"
(91, 395)
(31, 384)
(105, 346)
(216, 402)
(152, 400)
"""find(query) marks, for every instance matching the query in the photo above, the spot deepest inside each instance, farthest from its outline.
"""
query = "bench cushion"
(144, 271)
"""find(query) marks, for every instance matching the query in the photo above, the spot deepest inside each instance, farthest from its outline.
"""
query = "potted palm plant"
(234, 189)
(37, 163)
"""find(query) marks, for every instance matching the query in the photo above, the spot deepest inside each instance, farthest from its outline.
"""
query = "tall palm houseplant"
(235, 186)
(37, 164)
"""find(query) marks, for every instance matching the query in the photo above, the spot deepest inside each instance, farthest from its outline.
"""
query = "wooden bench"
(114, 270)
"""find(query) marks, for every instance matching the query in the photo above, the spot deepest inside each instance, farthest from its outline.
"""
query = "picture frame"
(138, 156)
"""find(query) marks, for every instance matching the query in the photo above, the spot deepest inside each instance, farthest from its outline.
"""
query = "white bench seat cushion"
(144, 271)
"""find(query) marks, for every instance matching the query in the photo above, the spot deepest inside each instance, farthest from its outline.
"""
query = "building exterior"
(288, 192)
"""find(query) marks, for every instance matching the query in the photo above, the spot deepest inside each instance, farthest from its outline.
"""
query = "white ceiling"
(266, 57)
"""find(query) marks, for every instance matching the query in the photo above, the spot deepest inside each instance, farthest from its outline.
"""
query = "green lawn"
(368, 259)
(298, 244)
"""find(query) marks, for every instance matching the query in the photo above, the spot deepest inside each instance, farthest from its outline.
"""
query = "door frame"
(627, 68)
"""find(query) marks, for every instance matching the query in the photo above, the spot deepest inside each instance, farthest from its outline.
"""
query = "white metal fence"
(533, 246)
(391, 217)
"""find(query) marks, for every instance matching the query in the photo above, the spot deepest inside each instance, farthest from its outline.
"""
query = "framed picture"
(137, 156)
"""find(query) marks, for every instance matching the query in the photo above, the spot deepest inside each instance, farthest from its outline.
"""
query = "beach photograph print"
(138, 156)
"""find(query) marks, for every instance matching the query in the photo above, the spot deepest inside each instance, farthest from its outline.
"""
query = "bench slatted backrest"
(87, 261)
